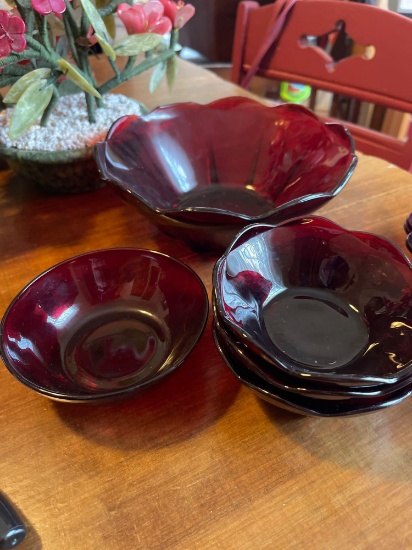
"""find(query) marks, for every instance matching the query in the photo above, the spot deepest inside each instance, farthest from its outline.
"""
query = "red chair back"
(384, 79)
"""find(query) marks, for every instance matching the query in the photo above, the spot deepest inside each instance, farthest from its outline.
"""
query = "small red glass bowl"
(302, 385)
(301, 403)
(319, 301)
(221, 166)
(103, 324)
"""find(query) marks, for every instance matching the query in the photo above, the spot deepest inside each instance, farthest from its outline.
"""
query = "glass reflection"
(175, 162)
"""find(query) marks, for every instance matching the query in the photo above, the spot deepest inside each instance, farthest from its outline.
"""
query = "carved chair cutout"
(378, 71)
(324, 45)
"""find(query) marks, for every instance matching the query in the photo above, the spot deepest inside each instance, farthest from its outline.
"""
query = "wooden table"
(200, 462)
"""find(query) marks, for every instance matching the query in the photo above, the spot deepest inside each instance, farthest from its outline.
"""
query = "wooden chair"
(272, 41)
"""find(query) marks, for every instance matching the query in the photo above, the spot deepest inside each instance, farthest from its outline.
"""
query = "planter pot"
(59, 160)
(64, 172)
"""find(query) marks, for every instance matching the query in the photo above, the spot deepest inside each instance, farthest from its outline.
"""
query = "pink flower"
(178, 12)
(147, 17)
(11, 34)
(92, 40)
(44, 7)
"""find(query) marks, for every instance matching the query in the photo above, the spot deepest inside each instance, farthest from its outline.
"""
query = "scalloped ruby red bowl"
(103, 325)
(203, 172)
(311, 300)
(316, 318)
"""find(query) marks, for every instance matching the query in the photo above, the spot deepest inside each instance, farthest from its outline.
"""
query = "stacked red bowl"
(315, 318)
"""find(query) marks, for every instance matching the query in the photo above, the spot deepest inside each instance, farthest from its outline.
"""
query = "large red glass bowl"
(319, 302)
(104, 324)
(202, 172)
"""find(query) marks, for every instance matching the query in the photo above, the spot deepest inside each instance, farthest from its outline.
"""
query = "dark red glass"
(103, 324)
(295, 383)
(202, 172)
(319, 301)
(408, 231)
(299, 402)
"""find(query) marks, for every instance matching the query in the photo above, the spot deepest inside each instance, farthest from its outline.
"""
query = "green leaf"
(99, 27)
(30, 107)
(171, 71)
(137, 43)
(157, 76)
(76, 76)
(110, 24)
(107, 49)
(15, 92)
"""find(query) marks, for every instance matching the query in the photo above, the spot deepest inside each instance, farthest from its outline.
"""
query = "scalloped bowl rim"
(169, 212)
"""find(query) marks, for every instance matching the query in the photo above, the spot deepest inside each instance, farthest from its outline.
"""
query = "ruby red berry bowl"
(318, 312)
(103, 325)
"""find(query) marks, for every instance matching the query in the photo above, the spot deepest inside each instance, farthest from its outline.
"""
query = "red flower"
(44, 7)
(178, 12)
(11, 34)
(147, 17)
(91, 36)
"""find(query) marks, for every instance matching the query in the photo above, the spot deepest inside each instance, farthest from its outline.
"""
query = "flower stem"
(130, 62)
(9, 81)
(115, 69)
(111, 7)
(174, 37)
(69, 13)
(14, 70)
(29, 20)
(43, 53)
(72, 31)
(41, 23)
(135, 71)
(21, 56)
(85, 66)
(91, 108)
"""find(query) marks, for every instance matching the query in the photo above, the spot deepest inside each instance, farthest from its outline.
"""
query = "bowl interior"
(231, 159)
(104, 323)
(320, 300)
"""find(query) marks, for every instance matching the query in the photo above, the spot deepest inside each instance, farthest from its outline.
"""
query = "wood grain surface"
(199, 462)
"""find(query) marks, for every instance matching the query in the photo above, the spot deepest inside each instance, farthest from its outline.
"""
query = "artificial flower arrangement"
(46, 46)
